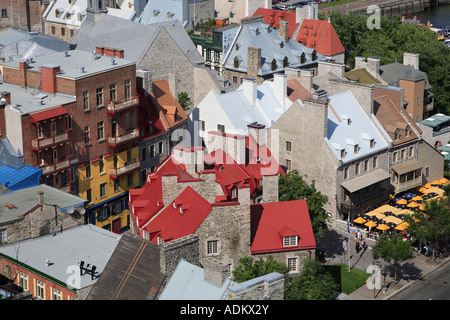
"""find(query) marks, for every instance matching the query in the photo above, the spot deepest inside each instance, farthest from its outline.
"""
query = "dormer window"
(236, 62)
(234, 193)
(303, 58)
(237, 46)
(285, 62)
(57, 14)
(282, 44)
(343, 153)
(314, 55)
(407, 131)
(274, 65)
(372, 143)
(355, 148)
(174, 205)
(396, 134)
(290, 241)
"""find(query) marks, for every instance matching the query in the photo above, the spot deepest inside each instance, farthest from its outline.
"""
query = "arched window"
(274, 64)
(314, 55)
(236, 62)
(57, 14)
(285, 62)
(303, 58)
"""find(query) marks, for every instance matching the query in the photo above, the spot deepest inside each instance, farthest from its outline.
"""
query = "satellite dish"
(70, 209)
(83, 211)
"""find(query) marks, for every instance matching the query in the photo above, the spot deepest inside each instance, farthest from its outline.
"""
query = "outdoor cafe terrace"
(391, 216)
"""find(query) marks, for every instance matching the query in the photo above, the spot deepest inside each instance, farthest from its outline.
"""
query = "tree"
(184, 100)
(248, 268)
(292, 186)
(312, 283)
(393, 248)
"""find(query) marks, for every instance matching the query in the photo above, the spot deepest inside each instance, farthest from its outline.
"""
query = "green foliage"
(292, 186)
(184, 100)
(248, 268)
(393, 248)
(349, 281)
(312, 283)
(390, 42)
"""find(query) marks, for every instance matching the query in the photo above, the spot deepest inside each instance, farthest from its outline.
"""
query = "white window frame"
(40, 290)
(145, 235)
(56, 294)
(212, 247)
(23, 281)
(292, 264)
(3, 235)
(290, 241)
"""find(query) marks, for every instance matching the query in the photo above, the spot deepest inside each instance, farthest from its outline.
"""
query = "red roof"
(273, 17)
(270, 222)
(172, 223)
(48, 114)
(320, 35)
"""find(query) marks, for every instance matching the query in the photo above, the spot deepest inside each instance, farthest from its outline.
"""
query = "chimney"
(40, 197)
(214, 271)
(100, 50)
(145, 77)
(373, 65)
(119, 53)
(250, 89)
(316, 111)
(270, 188)
(284, 30)
(411, 59)
(360, 62)
(48, 77)
(280, 88)
(7, 96)
(253, 61)
(173, 80)
(306, 79)
(23, 73)
(292, 73)
(258, 132)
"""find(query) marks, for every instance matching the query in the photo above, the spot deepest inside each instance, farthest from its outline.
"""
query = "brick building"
(83, 127)
(21, 14)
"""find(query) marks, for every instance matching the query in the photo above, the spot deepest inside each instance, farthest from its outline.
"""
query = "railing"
(115, 141)
(410, 184)
(127, 168)
(118, 106)
(45, 142)
(55, 166)
(355, 209)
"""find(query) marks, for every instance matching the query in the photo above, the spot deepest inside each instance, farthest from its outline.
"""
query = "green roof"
(435, 120)
(361, 76)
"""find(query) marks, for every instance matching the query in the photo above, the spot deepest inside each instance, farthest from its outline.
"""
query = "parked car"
(282, 7)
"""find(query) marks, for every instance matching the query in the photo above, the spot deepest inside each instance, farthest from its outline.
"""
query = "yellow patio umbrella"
(444, 181)
(402, 201)
(422, 189)
(428, 185)
(417, 198)
(437, 190)
(386, 208)
(436, 182)
(413, 205)
(370, 224)
(383, 227)
(403, 211)
(393, 219)
(422, 206)
(402, 226)
(359, 220)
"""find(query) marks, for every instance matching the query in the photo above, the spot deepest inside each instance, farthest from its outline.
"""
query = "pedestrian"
(364, 246)
(357, 246)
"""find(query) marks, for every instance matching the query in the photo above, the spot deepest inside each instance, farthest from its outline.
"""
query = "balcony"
(46, 169)
(369, 203)
(125, 169)
(408, 184)
(115, 107)
(114, 142)
(41, 143)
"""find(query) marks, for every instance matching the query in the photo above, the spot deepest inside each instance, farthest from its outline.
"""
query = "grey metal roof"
(132, 37)
(158, 11)
(132, 272)
(393, 72)
(187, 282)
(25, 199)
(260, 35)
(66, 249)
(19, 44)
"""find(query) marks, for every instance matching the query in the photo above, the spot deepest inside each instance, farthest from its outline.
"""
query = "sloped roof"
(157, 11)
(15, 179)
(271, 221)
(188, 282)
(350, 126)
(273, 17)
(260, 35)
(296, 91)
(132, 273)
(361, 76)
(320, 35)
(392, 73)
(172, 223)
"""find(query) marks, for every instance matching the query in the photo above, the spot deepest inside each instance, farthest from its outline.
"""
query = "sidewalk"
(408, 272)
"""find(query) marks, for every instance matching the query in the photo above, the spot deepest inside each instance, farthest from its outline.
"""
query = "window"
(63, 32)
(418, 101)
(23, 281)
(3, 235)
(292, 264)
(7, 272)
(396, 135)
(274, 65)
(56, 294)
(212, 247)
(4, 13)
(130, 179)
(112, 92)
(236, 62)
(160, 240)
(285, 62)
(375, 162)
(69, 123)
(89, 195)
(402, 154)
(235, 79)
(395, 157)
(220, 128)
(302, 58)
(87, 136)
(372, 143)
(346, 173)
(152, 151)
(116, 186)
(411, 151)
(146, 235)
(288, 164)
(99, 97)
(72, 32)
(53, 29)
(427, 172)
(357, 169)
(88, 171)
(288, 146)
(57, 14)
(128, 121)
(366, 165)
(201, 125)
(160, 147)
(100, 133)
(407, 131)
(103, 190)
(101, 165)
(85, 100)
(144, 154)
(314, 55)
(290, 241)
(343, 153)
(234, 193)
(355, 148)
(39, 290)
(127, 89)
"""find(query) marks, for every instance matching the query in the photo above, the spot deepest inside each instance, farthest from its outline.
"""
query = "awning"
(365, 180)
(407, 167)
(48, 114)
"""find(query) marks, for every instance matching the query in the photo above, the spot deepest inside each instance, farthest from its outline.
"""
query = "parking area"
(292, 4)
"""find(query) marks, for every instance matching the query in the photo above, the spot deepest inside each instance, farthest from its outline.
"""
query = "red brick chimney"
(48, 77)
(23, 74)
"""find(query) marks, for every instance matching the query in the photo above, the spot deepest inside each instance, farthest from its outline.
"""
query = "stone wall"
(270, 286)
(183, 248)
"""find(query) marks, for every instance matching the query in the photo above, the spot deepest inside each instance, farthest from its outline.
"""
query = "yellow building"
(105, 182)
